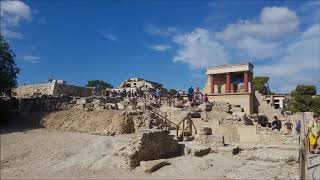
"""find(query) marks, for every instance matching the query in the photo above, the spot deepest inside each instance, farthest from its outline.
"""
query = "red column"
(211, 81)
(228, 82)
(246, 81)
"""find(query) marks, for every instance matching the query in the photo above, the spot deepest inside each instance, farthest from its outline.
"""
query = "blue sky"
(171, 42)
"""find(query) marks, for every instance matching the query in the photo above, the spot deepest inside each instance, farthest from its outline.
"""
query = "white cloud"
(160, 47)
(299, 65)
(108, 34)
(273, 23)
(165, 32)
(199, 50)
(31, 59)
(256, 48)
(12, 13)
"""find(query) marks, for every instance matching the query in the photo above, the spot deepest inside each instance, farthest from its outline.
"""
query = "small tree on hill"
(260, 83)
(8, 68)
(303, 99)
(172, 92)
(98, 84)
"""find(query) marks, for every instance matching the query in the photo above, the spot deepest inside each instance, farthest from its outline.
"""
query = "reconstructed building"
(233, 84)
(140, 84)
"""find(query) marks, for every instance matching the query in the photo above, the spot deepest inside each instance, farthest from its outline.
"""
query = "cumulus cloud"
(160, 47)
(299, 65)
(199, 50)
(12, 13)
(263, 38)
(273, 23)
(286, 53)
(31, 59)
(256, 48)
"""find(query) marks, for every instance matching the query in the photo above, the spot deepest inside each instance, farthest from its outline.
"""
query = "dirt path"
(47, 154)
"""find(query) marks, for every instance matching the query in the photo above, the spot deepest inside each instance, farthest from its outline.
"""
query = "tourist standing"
(190, 93)
(314, 132)
(288, 126)
(298, 127)
(205, 98)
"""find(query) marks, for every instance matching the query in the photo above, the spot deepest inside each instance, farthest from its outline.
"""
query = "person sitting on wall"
(288, 126)
(276, 124)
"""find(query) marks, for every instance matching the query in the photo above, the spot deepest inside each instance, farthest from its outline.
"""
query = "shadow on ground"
(16, 121)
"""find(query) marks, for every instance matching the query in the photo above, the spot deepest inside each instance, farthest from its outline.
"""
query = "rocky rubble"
(149, 145)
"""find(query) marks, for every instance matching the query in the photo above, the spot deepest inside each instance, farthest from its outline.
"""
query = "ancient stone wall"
(71, 90)
(267, 109)
(36, 89)
(53, 88)
(149, 145)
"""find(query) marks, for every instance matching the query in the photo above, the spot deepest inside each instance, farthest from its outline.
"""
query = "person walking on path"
(314, 132)
(190, 93)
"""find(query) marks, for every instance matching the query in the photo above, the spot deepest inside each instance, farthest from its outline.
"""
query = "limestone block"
(151, 166)
(194, 115)
(199, 150)
(149, 144)
(273, 155)
(224, 107)
(205, 131)
(120, 106)
(210, 140)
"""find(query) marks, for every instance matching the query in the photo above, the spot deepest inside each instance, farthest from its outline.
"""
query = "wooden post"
(190, 126)
(183, 128)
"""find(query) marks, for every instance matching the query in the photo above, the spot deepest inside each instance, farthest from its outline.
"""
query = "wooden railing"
(303, 150)
(187, 121)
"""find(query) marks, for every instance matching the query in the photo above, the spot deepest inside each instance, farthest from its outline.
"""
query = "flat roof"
(227, 68)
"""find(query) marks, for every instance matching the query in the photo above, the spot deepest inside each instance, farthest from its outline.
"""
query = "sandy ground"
(48, 154)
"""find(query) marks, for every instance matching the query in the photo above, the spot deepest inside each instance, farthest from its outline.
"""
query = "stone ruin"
(149, 145)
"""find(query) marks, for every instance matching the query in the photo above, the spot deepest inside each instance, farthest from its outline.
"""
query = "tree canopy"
(8, 68)
(260, 83)
(172, 92)
(304, 90)
(98, 84)
(303, 99)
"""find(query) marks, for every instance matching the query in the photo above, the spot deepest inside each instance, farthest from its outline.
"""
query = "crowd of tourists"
(313, 130)
(157, 94)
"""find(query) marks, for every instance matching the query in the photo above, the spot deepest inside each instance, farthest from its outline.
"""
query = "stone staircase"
(266, 108)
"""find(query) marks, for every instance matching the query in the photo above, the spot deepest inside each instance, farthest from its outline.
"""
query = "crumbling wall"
(149, 145)
(36, 89)
(268, 136)
(71, 90)
(53, 88)
(46, 103)
(92, 122)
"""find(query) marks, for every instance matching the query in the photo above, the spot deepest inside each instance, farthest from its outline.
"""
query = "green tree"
(98, 84)
(305, 90)
(172, 92)
(260, 83)
(303, 99)
(8, 68)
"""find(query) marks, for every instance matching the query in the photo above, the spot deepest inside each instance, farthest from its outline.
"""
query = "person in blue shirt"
(190, 93)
